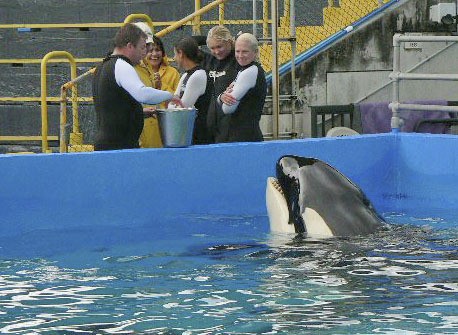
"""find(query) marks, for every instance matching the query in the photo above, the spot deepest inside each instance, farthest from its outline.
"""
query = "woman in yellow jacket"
(155, 71)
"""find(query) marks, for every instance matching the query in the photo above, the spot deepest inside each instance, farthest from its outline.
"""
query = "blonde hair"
(220, 33)
(251, 39)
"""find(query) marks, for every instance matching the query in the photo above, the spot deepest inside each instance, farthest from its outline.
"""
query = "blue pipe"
(285, 68)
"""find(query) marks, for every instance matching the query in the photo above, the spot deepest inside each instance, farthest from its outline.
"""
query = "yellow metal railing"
(190, 18)
(140, 17)
(76, 138)
(44, 94)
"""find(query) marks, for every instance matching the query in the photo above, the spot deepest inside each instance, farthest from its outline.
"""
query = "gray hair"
(251, 39)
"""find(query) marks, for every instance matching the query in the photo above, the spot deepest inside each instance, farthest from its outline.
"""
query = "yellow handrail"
(143, 17)
(38, 99)
(44, 94)
(38, 61)
(104, 25)
(190, 17)
(77, 137)
(221, 13)
(197, 19)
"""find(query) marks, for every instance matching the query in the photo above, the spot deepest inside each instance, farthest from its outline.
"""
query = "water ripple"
(403, 281)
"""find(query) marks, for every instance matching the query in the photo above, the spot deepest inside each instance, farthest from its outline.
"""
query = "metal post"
(254, 17)
(265, 18)
(275, 73)
(395, 120)
(221, 14)
(196, 25)
(76, 138)
(63, 120)
(286, 8)
(293, 68)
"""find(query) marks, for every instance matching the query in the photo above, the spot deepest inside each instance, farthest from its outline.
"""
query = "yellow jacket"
(170, 77)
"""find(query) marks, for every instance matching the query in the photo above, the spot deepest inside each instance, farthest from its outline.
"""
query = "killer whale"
(309, 196)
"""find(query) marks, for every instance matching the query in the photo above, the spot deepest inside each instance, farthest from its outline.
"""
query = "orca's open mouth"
(277, 207)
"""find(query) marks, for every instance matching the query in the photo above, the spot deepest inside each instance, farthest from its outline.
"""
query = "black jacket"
(244, 122)
(221, 73)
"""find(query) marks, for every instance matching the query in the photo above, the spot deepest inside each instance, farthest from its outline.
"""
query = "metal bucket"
(176, 126)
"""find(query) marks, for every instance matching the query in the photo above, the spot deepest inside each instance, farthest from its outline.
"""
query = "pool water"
(234, 280)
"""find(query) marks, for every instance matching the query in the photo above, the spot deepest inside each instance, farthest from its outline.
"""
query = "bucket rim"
(178, 109)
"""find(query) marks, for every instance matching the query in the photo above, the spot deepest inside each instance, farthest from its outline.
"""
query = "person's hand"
(175, 101)
(157, 81)
(150, 111)
(227, 98)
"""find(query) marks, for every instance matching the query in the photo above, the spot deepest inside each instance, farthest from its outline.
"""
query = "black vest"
(221, 74)
(119, 115)
(244, 122)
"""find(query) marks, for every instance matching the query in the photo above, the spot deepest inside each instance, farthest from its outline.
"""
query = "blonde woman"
(244, 98)
(222, 69)
(155, 71)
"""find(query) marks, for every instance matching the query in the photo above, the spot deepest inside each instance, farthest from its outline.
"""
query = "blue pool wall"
(426, 174)
(142, 187)
(138, 187)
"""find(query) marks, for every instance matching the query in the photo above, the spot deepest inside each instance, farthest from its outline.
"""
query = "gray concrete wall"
(431, 57)
(356, 69)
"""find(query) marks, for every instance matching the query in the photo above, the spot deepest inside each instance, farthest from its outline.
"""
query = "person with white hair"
(244, 98)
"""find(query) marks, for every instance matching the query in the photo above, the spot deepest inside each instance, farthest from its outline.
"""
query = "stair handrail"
(190, 17)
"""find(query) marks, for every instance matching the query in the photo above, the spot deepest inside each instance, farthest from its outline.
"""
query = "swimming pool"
(176, 242)
(238, 281)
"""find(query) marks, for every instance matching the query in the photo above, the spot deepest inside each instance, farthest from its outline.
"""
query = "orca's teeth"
(277, 186)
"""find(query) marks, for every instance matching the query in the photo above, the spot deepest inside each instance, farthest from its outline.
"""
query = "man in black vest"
(118, 92)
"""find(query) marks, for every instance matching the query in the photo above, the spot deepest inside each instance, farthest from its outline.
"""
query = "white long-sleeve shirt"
(245, 80)
(127, 78)
(195, 87)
